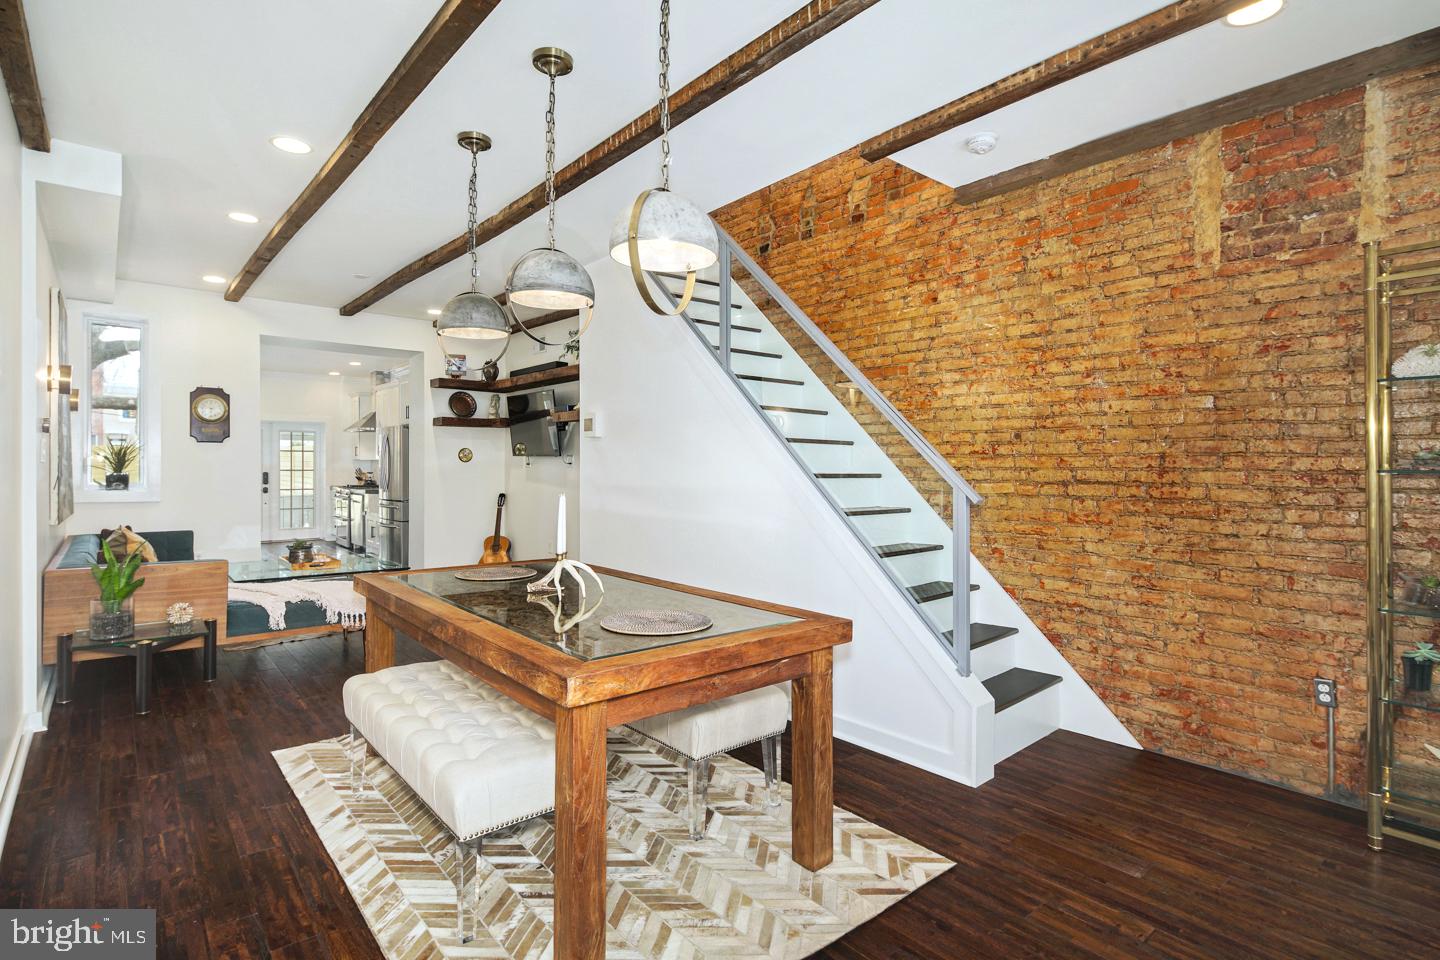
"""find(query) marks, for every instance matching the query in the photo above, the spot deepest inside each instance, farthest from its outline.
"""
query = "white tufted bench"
(479, 760)
(700, 732)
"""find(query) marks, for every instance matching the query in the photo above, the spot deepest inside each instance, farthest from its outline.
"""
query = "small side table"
(147, 640)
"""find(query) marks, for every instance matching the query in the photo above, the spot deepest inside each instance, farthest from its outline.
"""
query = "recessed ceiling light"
(1254, 13)
(354, 363)
(214, 278)
(433, 311)
(239, 217)
(334, 373)
(361, 276)
(290, 144)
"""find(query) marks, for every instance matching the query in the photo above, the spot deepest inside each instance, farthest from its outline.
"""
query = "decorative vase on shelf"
(117, 481)
(111, 620)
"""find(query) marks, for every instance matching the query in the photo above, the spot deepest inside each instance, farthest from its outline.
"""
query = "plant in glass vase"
(119, 458)
(111, 616)
(300, 551)
(1420, 666)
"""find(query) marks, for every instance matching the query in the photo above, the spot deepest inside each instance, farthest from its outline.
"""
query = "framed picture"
(61, 407)
(456, 365)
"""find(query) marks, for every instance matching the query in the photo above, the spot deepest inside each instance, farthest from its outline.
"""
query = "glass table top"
(508, 604)
(278, 568)
(151, 632)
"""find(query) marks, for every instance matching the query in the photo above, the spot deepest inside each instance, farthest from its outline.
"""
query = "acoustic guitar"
(497, 548)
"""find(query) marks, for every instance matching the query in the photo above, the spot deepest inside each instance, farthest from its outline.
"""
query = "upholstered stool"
(700, 732)
(478, 760)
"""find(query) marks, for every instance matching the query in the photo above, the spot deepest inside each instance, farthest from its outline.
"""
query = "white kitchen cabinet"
(390, 405)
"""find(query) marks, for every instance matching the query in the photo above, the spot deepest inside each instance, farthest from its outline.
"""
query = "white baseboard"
(11, 774)
(939, 762)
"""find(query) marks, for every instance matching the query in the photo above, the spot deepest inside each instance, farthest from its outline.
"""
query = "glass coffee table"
(147, 640)
(272, 569)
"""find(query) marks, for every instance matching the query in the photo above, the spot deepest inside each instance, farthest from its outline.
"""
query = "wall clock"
(209, 415)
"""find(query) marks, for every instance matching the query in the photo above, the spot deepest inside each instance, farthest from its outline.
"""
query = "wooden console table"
(588, 679)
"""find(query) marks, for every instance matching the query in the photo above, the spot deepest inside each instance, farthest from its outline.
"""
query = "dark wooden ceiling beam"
(446, 33)
(1169, 21)
(1320, 81)
(786, 38)
(17, 66)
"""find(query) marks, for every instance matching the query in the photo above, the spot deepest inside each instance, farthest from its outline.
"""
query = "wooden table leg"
(580, 844)
(812, 764)
(379, 642)
(63, 667)
(209, 658)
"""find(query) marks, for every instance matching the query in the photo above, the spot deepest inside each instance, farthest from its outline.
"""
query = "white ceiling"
(190, 91)
(288, 356)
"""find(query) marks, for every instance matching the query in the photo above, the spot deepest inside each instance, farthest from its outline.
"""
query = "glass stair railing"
(895, 492)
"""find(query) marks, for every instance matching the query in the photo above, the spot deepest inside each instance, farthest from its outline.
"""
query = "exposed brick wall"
(1152, 369)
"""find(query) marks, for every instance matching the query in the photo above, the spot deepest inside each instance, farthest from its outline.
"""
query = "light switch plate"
(591, 425)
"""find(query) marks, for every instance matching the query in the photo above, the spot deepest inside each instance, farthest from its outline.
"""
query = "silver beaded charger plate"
(656, 623)
(492, 574)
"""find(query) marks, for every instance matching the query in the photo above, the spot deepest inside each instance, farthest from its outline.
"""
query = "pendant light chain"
(473, 219)
(550, 161)
(664, 94)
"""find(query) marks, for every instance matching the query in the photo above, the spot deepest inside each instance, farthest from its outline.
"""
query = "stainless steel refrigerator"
(393, 475)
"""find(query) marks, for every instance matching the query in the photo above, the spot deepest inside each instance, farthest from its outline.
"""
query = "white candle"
(560, 526)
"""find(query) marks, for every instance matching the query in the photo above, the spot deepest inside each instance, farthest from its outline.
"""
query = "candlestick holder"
(563, 565)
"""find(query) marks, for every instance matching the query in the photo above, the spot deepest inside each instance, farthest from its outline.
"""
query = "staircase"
(898, 496)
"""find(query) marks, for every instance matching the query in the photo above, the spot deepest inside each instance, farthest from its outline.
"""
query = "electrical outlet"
(1325, 693)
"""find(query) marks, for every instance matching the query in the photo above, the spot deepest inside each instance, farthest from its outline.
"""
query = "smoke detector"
(981, 143)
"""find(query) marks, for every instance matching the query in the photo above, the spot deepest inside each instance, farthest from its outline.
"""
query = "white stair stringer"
(897, 690)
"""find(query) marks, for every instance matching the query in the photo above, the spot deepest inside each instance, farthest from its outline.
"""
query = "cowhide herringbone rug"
(736, 893)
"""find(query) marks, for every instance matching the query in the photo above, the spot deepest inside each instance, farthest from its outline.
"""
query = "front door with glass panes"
(291, 478)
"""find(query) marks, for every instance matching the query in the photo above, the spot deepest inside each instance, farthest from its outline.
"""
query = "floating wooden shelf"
(526, 381)
(559, 416)
(471, 422)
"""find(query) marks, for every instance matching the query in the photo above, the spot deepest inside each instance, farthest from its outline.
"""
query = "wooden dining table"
(587, 679)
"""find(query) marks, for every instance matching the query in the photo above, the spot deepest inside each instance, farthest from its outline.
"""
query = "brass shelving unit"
(1403, 777)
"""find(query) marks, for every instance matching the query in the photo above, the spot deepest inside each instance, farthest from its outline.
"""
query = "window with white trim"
(114, 437)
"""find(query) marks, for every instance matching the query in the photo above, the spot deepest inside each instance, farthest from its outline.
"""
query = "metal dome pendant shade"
(473, 315)
(546, 278)
(662, 232)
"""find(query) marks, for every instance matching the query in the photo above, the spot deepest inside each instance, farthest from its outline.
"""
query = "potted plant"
(119, 458)
(112, 616)
(300, 551)
(1420, 666)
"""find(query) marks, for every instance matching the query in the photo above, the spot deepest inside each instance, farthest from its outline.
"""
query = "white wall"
(197, 338)
(316, 398)
(534, 487)
(13, 434)
(687, 485)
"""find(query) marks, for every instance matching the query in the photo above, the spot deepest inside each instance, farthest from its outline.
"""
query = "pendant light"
(547, 278)
(662, 232)
(473, 315)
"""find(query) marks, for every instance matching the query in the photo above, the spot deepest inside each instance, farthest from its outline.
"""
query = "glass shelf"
(1428, 700)
(1409, 610)
(1391, 381)
(1411, 471)
(1416, 784)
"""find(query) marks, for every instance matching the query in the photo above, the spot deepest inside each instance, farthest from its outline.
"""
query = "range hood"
(366, 424)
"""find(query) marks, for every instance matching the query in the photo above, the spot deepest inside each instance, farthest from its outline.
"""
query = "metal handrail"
(962, 495)
(915, 438)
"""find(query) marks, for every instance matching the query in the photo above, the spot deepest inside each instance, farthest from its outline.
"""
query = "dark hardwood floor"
(1076, 849)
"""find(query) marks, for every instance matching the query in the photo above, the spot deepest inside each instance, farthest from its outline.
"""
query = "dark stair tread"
(906, 549)
(983, 634)
(709, 303)
(759, 379)
(1017, 684)
(873, 511)
(833, 443)
(935, 590)
(774, 409)
(733, 326)
(750, 353)
(848, 476)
